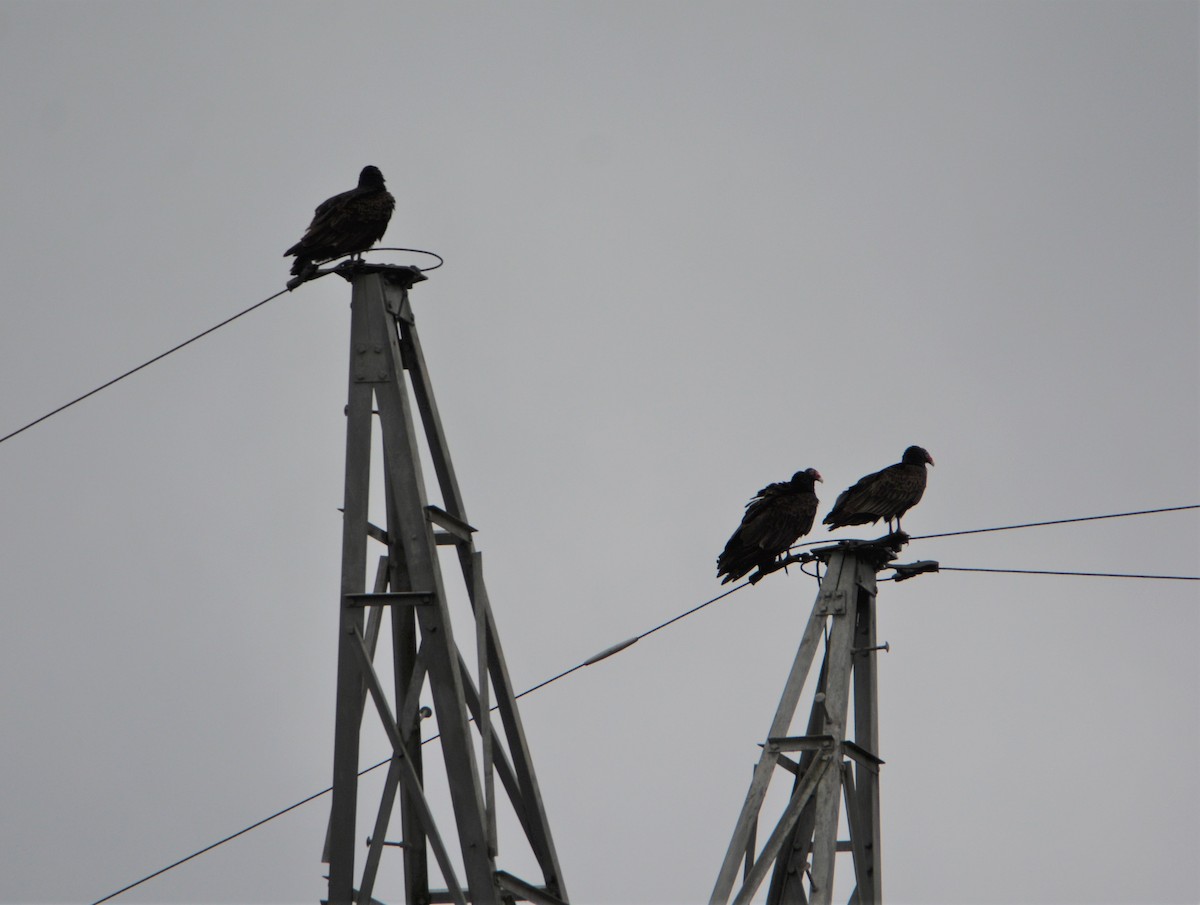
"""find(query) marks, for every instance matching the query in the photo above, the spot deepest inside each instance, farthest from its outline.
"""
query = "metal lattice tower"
(828, 764)
(386, 363)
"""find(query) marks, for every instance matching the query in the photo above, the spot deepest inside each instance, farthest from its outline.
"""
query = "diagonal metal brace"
(408, 775)
(526, 891)
(774, 845)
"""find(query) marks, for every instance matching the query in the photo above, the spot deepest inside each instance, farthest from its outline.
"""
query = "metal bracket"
(443, 519)
(539, 895)
(832, 602)
(370, 363)
(801, 743)
(411, 598)
(885, 647)
(905, 571)
(393, 844)
(878, 551)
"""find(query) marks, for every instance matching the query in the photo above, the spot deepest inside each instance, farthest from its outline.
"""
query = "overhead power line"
(617, 648)
(228, 320)
(1061, 521)
(144, 364)
(1083, 574)
(231, 836)
(608, 652)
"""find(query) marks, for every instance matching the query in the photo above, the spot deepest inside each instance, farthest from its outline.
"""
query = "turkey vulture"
(345, 224)
(778, 515)
(886, 494)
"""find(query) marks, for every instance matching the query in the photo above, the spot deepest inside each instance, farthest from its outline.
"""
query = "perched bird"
(778, 515)
(348, 223)
(886, 494)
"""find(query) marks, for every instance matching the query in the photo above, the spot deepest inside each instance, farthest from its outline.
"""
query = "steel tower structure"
(387, 376)
(835, 760)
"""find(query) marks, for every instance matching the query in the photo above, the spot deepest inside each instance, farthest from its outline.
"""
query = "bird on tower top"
(348, 223)
(886, 494)
(778, 515)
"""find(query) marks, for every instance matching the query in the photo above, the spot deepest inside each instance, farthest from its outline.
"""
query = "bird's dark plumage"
(778, 515)
(345, 224)
(886, 494)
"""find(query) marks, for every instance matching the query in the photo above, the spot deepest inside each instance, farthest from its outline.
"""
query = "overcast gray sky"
(691, 248)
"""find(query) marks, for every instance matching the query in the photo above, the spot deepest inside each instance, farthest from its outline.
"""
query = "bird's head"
(370, 177)
(810, 473)
(916, 455)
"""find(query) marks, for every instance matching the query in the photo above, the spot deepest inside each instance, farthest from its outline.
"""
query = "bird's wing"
(329, 220)
(777, 521)
(858, 502)
(884, 494)
(902, 490)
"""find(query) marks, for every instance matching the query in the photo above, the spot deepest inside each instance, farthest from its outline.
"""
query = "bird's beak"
(930, 458)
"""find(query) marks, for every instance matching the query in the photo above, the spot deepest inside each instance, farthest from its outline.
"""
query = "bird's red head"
(916, 455)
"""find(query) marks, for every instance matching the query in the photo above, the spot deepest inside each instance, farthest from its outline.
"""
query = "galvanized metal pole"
(808, 826)
(343, 810)
(386, 364)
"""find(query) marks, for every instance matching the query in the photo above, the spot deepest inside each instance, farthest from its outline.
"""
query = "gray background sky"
(690, 249)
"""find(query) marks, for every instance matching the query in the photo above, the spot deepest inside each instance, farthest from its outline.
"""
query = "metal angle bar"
(373, 624)
(408, 674)
(864, 757)
(508, 776)
(415, 533)
(774, 844)
(406, 349)
(866, 745)
(375, 619)
(484, 720)
(856, 830)
(526, 797)
(763, 771)
(416, 683)
(751, 847)
(348, 714)
(388, 598)
(788, 764)
(841, 642)
(379, 833)
(398, 577)
(538, 827)
(407, 775)
(435, 435)
(868, 762)
(527, 891)
(801, 742)
(459, 757)
(528, 801)
(787, 880)
(455, 526)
